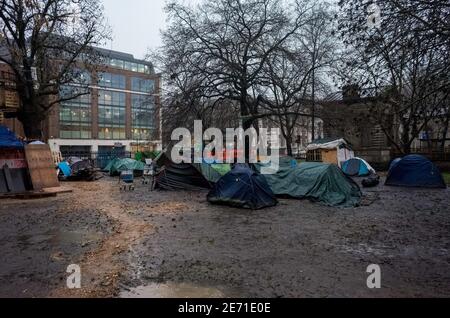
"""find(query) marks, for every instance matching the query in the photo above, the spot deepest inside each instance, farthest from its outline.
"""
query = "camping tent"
(357, 167)
(187, 176)
(243, 188)
(8, 139)
(415, 171)
(181, 176)
(314, 181)
(123, 164)
(329, 150)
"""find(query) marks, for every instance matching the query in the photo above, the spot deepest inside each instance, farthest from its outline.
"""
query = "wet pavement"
(164, 244)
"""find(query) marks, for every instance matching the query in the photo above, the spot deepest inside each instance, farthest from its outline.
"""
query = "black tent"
(243, 188)
(183, 176)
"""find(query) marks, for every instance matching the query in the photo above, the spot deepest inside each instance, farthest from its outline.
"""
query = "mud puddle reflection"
(172, 290)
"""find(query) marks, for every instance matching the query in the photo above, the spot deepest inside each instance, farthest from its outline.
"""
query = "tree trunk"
(444, 133)
(32, 125)
(289, 146)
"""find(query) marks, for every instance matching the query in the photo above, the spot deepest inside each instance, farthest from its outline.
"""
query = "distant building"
(121, 113)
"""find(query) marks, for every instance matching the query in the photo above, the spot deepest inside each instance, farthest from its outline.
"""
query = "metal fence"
(98, 159)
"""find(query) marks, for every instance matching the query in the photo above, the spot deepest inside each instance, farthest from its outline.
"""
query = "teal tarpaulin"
(117, 165)
(314, 181)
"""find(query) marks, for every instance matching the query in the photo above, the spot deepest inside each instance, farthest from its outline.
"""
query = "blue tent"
(8, 139)
(415, 171)
(394, 162)
(357, 167)
(243, 188)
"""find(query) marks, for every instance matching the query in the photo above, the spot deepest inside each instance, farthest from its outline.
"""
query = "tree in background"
(404, 66)
(49, 44)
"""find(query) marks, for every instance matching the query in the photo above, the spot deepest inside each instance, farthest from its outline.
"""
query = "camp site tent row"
(118, 165)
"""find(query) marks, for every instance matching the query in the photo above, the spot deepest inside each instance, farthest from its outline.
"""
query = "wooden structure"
(331, 151)
(41, 167)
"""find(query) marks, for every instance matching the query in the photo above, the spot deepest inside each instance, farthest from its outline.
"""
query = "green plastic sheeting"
(223, 169)
(317, 182)
(213, 172)
(117, 165)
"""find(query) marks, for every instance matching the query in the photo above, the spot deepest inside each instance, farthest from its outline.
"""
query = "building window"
(143, 116)
(142, 85)
(111, 115)
(111, 80)
(129, 66)
(75, 116)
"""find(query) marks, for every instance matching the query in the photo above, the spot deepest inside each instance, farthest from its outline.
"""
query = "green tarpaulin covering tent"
(320, 182)
(122, 164)
(213, 172)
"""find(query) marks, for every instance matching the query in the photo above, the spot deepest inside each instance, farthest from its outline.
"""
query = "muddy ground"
(152, 244)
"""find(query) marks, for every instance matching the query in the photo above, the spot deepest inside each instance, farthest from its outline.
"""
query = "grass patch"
(446, 177)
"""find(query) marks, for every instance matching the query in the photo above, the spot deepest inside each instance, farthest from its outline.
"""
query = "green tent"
(213, 172)
(122, 164)
(314, 181)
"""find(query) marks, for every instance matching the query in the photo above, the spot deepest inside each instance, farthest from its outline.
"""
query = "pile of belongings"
(116, 166)
(76, 169)
(243, 187)
(415, 171)
(318, 182)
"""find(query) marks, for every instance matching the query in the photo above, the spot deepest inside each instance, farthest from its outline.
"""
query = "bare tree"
(48, 44)
(406, 69)
(226, 43)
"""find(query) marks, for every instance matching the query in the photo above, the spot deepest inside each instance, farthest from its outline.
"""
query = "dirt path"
(102, 267)
(146, 243)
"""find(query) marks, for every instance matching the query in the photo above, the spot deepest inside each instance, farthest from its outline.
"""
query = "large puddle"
(172, 290)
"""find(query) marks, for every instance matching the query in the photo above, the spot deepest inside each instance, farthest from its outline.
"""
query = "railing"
(99, 159)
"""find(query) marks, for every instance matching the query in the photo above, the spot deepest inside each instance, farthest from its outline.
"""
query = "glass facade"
(111, 115)
(143, 116)
(111, 80)
(142, 85)
(75, 116)
(130, 66)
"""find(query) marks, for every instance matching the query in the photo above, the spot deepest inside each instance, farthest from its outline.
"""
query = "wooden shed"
(332, 151)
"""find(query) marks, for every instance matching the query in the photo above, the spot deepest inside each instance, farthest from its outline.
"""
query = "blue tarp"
(415, 171)
(243, 188)
(8, 139)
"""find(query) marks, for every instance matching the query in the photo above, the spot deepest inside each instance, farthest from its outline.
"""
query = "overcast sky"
(135, 25)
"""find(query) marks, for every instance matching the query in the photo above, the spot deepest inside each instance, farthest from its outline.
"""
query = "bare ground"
(297, 249)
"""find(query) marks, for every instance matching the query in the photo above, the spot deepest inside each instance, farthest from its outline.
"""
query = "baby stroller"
(126, 180)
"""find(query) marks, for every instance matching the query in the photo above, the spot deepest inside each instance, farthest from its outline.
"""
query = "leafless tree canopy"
(405, 63)
(257, 55)
(55, 38)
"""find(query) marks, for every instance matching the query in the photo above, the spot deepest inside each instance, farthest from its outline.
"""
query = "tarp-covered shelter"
(14, 177)
(415, 171)
(9, 140)
(244, 188)
(183, 176)
(357, 167)
(317, 182)
(329, 150)
(187, 176)
(123, 164)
